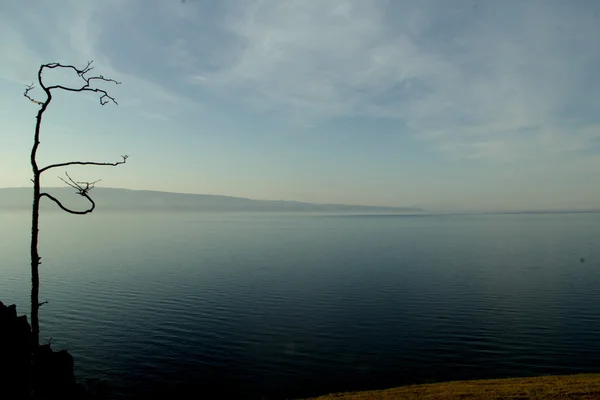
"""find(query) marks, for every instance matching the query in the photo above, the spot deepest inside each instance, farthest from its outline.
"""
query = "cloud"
(76, 33)
(510, 80)
(492, 80)
(329, 59)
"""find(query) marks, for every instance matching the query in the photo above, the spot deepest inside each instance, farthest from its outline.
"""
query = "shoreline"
(579, 386)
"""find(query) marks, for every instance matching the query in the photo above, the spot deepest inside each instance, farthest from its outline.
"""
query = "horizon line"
(417, 208)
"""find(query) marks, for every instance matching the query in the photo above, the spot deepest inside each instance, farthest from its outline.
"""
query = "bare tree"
(82, 188)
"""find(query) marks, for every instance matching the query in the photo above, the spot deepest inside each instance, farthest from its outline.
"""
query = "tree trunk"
(35, 262)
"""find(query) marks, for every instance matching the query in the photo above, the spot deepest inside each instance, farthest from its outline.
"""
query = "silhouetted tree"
(82, 188)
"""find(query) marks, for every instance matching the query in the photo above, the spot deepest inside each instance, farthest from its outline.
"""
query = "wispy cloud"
(75, 34)
(480, 79)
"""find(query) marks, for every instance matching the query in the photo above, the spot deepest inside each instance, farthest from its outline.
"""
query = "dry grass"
(548, 387)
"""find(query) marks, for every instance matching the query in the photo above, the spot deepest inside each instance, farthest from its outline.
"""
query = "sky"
(447, 105)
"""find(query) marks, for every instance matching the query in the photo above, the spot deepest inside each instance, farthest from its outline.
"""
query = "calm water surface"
(286, 306)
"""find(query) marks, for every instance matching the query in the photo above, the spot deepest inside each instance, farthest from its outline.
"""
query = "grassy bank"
(548, 387)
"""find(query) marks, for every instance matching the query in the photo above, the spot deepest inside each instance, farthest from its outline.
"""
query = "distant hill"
(125, 199)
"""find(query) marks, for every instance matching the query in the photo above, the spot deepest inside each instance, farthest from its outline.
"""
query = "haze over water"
(282, 305)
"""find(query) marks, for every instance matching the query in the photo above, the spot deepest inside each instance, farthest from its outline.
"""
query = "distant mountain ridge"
(127, 199)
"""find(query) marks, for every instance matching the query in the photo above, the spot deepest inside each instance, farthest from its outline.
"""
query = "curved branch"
(81, 190)
(81, 72)
(84, 163)
(58, 203)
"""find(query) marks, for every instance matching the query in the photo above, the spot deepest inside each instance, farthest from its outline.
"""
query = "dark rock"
(53, 373)
(15, 354)
(46, 375)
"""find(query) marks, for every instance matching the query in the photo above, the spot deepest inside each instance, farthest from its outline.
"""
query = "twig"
(28, 89)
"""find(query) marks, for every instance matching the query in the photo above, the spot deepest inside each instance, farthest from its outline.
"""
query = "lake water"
(286, 306)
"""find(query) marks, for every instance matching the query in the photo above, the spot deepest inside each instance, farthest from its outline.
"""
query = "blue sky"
(448, 105)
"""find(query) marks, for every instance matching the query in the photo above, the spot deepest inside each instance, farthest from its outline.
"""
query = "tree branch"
(58, 203)
(81, 72)
(82, 188)
(84, 163)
